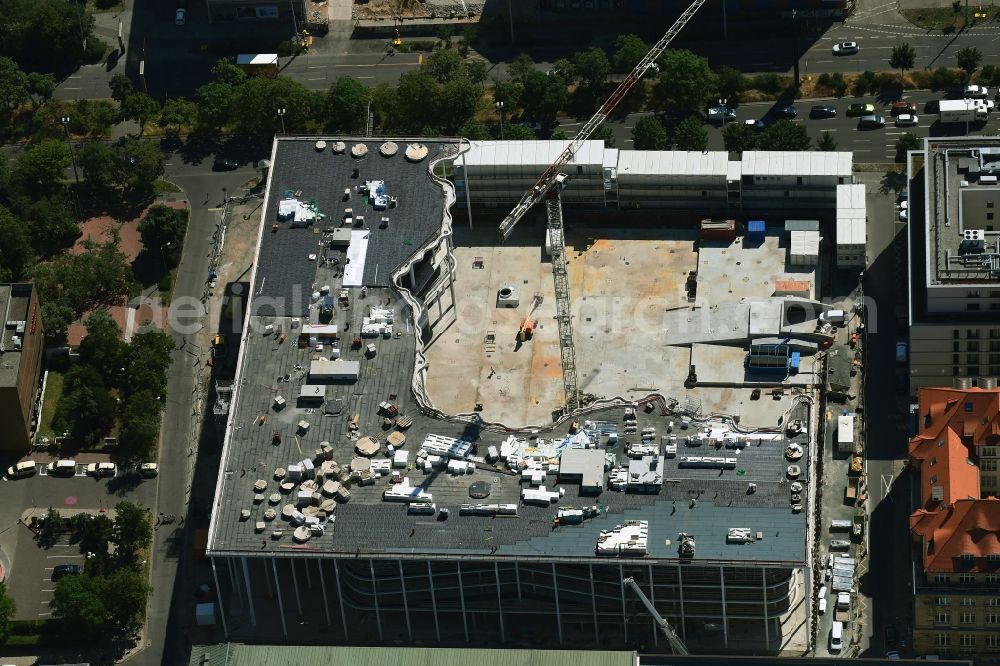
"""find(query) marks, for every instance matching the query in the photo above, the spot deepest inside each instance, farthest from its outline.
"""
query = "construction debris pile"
(411, 9)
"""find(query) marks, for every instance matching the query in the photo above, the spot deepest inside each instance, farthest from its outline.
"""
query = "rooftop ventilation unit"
(974, 235)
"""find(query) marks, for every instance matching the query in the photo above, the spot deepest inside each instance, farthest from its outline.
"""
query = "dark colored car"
(225, 165)
(66, 570)
(899, 108)
(787, 112)
(823, 111)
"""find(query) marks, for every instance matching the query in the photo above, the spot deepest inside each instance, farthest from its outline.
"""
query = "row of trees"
(109, 599)
(115, 380)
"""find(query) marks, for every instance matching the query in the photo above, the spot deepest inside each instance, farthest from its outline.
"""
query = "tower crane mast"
(545, 182)
(676, 644)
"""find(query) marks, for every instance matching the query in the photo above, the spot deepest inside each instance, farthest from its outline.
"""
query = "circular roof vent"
(480, 490)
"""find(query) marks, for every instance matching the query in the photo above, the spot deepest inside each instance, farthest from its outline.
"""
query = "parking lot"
(30, 565)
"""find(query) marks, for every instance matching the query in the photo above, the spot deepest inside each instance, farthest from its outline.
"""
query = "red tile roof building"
(957, 526)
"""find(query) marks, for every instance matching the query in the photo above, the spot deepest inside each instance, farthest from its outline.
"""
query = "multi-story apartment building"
(957, 527)
(21, 344)
(954, 302)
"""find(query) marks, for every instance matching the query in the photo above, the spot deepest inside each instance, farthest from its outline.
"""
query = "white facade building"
(851, 226)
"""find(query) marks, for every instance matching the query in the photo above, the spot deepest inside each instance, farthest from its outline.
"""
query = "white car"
(907, 120)
(904, 204)
(149, 470)
(821, 606)
(180, 18)
(846, 48)
(22, 469)
(822, 592)
(100, 469)
(987, 104)
(976, 92)
(903, 215)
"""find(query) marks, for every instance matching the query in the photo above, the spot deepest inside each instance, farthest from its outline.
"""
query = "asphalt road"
(867, 145)
(205, 191)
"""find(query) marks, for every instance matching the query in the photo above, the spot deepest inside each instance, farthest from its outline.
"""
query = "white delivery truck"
(961, 111)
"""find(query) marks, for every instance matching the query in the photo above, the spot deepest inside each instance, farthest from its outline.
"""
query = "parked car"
(788, 112)
(100, 469)
(149, 470)
(718, 114)
(66, 467)
(755, 125)
(21, 469)
(903, 196)
(900, 107)
(975, 92)
(823, 111)
(860, 109)
(907, 120)
(61, 570)
(892, 655)
(532, 125)
(901, 352)
(987, 104)
(180, 18)
(821, 605)
(846, 48)
(871, 122)
(223, 164)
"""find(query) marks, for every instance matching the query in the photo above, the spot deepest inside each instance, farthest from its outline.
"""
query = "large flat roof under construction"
(750, 489)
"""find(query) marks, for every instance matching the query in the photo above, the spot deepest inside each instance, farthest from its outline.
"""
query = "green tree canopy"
(140, 428)
(132, 532)
(41, 169)
(444, 65)
(7, 610)
(178, 113)
(258, 99)
(13, 86)
(592, 66)
(346, 105)
(690, 134)
(121, 87)
(903, 57)
(520, 66)
(16, 253)
(906, 143)
(143, 163)
(457, 102)
(99, 275)
(162, 230)
(968, 60)
(141, 108)
(507, 92)
(85, 409)
(102, 348)
(543, 96)
(685, 81)
(111, 606)
(629, 50)
(784, 135)
(514, 132)
(732, 83)
(738, 137)
(215, 102)
(648, 133)
(826, 142)
(45, 35)
(100, 165)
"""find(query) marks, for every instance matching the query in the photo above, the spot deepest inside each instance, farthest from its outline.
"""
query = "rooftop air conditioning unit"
(973, 235)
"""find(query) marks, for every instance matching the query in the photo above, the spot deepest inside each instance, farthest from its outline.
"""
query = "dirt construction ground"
(621, 283)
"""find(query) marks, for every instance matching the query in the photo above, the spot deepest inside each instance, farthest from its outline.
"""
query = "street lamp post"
(722, 104)
(281, 115)
(500, 111)
(72, 157)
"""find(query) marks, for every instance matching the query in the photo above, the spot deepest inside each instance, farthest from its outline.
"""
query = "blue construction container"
(796, 361)
(755, 231)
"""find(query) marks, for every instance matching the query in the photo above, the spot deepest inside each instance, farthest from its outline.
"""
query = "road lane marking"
(318, 78)
(886, 484)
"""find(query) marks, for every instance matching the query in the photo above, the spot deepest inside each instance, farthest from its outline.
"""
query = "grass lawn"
(53, 391)
(165, 187)
(946, 19)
